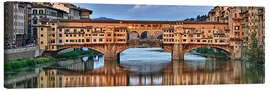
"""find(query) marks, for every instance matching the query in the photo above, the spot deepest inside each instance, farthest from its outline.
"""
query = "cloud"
(141, 7)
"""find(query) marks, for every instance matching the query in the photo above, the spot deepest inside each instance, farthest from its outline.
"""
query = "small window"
(41, 42)
(109, 34)
(34, 11)
(41, 35)
(40, 11)
(67, 30)
(184, 40)
(236, 27)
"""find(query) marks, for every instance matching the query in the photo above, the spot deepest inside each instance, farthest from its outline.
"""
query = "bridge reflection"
(174, 73)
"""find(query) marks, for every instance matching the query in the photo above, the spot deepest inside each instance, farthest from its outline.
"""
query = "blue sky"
(144, 12)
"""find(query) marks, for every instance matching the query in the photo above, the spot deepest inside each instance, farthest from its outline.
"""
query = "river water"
(138, 67)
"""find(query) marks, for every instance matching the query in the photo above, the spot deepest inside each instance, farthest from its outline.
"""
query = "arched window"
(35, 20)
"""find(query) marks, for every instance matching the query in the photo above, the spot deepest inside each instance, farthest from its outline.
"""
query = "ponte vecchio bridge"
(111, 37)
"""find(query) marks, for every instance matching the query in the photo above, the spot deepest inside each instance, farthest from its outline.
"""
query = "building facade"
(41, 12)
(16, 23)
(243, 21)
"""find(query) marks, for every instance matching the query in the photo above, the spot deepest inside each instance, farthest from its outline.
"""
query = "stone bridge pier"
(177, 52)
(111, 52)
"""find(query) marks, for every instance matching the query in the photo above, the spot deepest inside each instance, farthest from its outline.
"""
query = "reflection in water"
(83, 73)
(174, 73)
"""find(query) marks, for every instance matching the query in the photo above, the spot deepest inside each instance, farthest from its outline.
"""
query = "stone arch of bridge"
(99, 48)
(133, 35)
(227, 49)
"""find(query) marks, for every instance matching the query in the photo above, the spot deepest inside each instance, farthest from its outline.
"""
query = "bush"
(26, 62)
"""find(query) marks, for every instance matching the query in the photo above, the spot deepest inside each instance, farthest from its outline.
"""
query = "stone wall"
(20, 53)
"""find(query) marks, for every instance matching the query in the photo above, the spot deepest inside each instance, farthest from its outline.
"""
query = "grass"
(21, 63)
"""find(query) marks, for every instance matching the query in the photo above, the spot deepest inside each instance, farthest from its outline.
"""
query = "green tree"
(255, 54)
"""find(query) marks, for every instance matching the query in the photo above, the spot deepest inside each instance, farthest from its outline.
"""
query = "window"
(66, 40)
(95, 40)
(41, 42)
(41, 35)
(66, 35)
(82, 40)
(100, 40)
(34, 11)
(109, 34)
(40, 11)
(41, 29)
(67, 30)
(198, 41)
(53, 29)
(236, 28)
(184, 40)
(60, 41)
(204, 40)
(35, 21)
(53, 41)
(60, 35)
(87, 40)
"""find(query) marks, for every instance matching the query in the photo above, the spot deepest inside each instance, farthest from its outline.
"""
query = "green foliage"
(255, 54)
(27, 62)
(189, 19)
(76, 53)
(198, 18)
(209, 52)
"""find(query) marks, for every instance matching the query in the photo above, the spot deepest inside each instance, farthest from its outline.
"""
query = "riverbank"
(79, 53)
(28, 62)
